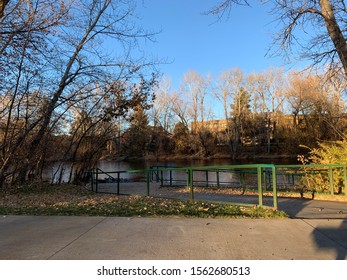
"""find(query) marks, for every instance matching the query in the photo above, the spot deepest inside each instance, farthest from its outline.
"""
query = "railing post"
(274, 186)
(331, 180)
(147, 182)
(264, 179)
(190, 172)
(345, 178)
(92, 176)
(156, 174)
(242, 180)
(217, 175)
(118, 182)
(96, 179)
(170, 177)
(206, 177)
(161, 178)
(260, 187)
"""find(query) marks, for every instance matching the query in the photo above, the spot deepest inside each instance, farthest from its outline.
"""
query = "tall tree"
(195, 88)
(162, 112)
(230, 84)
(316, 106)
(137, 137)
(56, 49)
(241, 115)
(322, 22)
(267, 88)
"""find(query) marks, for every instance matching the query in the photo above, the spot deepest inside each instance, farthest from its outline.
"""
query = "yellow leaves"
(59, 204)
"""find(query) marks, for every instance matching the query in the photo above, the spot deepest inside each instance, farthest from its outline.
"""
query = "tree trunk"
(335, 32)
(65, 80)
(3, 4)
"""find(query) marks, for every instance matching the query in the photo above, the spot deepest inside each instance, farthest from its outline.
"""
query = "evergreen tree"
(240, 115)
(137, 137)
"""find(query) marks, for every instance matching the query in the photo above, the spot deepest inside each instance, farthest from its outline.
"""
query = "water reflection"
(222, 177)
(57, 172)
(144, 164)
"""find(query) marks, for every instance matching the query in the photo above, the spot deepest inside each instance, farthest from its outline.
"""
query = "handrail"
(266, 175)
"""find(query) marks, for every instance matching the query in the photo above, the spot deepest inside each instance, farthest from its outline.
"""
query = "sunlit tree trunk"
(3, 4)
(335, 32)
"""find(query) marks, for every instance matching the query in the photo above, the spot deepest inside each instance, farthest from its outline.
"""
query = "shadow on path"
(328, 220)
(298, 208)
(332, 237)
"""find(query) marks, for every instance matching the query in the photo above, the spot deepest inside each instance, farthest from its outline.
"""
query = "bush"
(325, 153)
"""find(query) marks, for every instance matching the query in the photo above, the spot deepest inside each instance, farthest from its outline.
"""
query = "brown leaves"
(74, 203)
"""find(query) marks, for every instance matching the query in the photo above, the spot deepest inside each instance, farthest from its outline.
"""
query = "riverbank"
(241, 157)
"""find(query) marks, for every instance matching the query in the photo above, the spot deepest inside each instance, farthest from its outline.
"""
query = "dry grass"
(74, 200)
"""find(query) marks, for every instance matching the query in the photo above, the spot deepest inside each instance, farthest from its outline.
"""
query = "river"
(143, 164)
(114, 165)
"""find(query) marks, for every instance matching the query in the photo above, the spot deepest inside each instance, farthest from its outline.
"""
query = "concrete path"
(317, 230)
(99, 238)
(313, 209)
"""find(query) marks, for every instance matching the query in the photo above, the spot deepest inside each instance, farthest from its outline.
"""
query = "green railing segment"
(259, 178)
(295, 173)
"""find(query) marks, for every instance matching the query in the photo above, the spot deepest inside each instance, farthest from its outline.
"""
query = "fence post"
(118, 182)
(217, 175)
(92, 176)
(156, 173)
(147, 181)
(274, 186)
(161, 178)
(264, 179)
(242, 180)
(190, 176)
(260, 187)
(96, 179)
(331, 180)
(170, 178)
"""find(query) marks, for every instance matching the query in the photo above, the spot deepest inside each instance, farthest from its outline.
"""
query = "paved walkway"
(313, 209)
(319, 232)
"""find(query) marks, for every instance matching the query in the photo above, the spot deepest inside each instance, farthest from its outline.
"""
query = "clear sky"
(190, 40)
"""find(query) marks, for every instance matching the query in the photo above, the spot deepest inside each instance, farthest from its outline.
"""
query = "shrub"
(325, 153)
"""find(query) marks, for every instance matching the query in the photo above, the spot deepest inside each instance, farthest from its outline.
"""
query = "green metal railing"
(299, 171)
(157, 174)
(265, 178)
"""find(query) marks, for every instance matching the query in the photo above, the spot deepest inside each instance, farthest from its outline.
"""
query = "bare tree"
(162, 112)
(317, 107)
(228, 87)
(228, 84)
(56, 49)
(180, 107)
(323, 22)
(195, 88)
(267, 89)
(268, 86)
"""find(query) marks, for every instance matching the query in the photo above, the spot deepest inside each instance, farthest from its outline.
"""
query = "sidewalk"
(83, 238)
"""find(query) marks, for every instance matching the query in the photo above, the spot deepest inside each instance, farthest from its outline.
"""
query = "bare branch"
(224, 8)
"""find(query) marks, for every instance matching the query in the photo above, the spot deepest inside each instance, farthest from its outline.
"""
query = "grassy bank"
(75, 201)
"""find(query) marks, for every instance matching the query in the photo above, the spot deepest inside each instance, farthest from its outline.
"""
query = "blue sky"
(190, 40)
